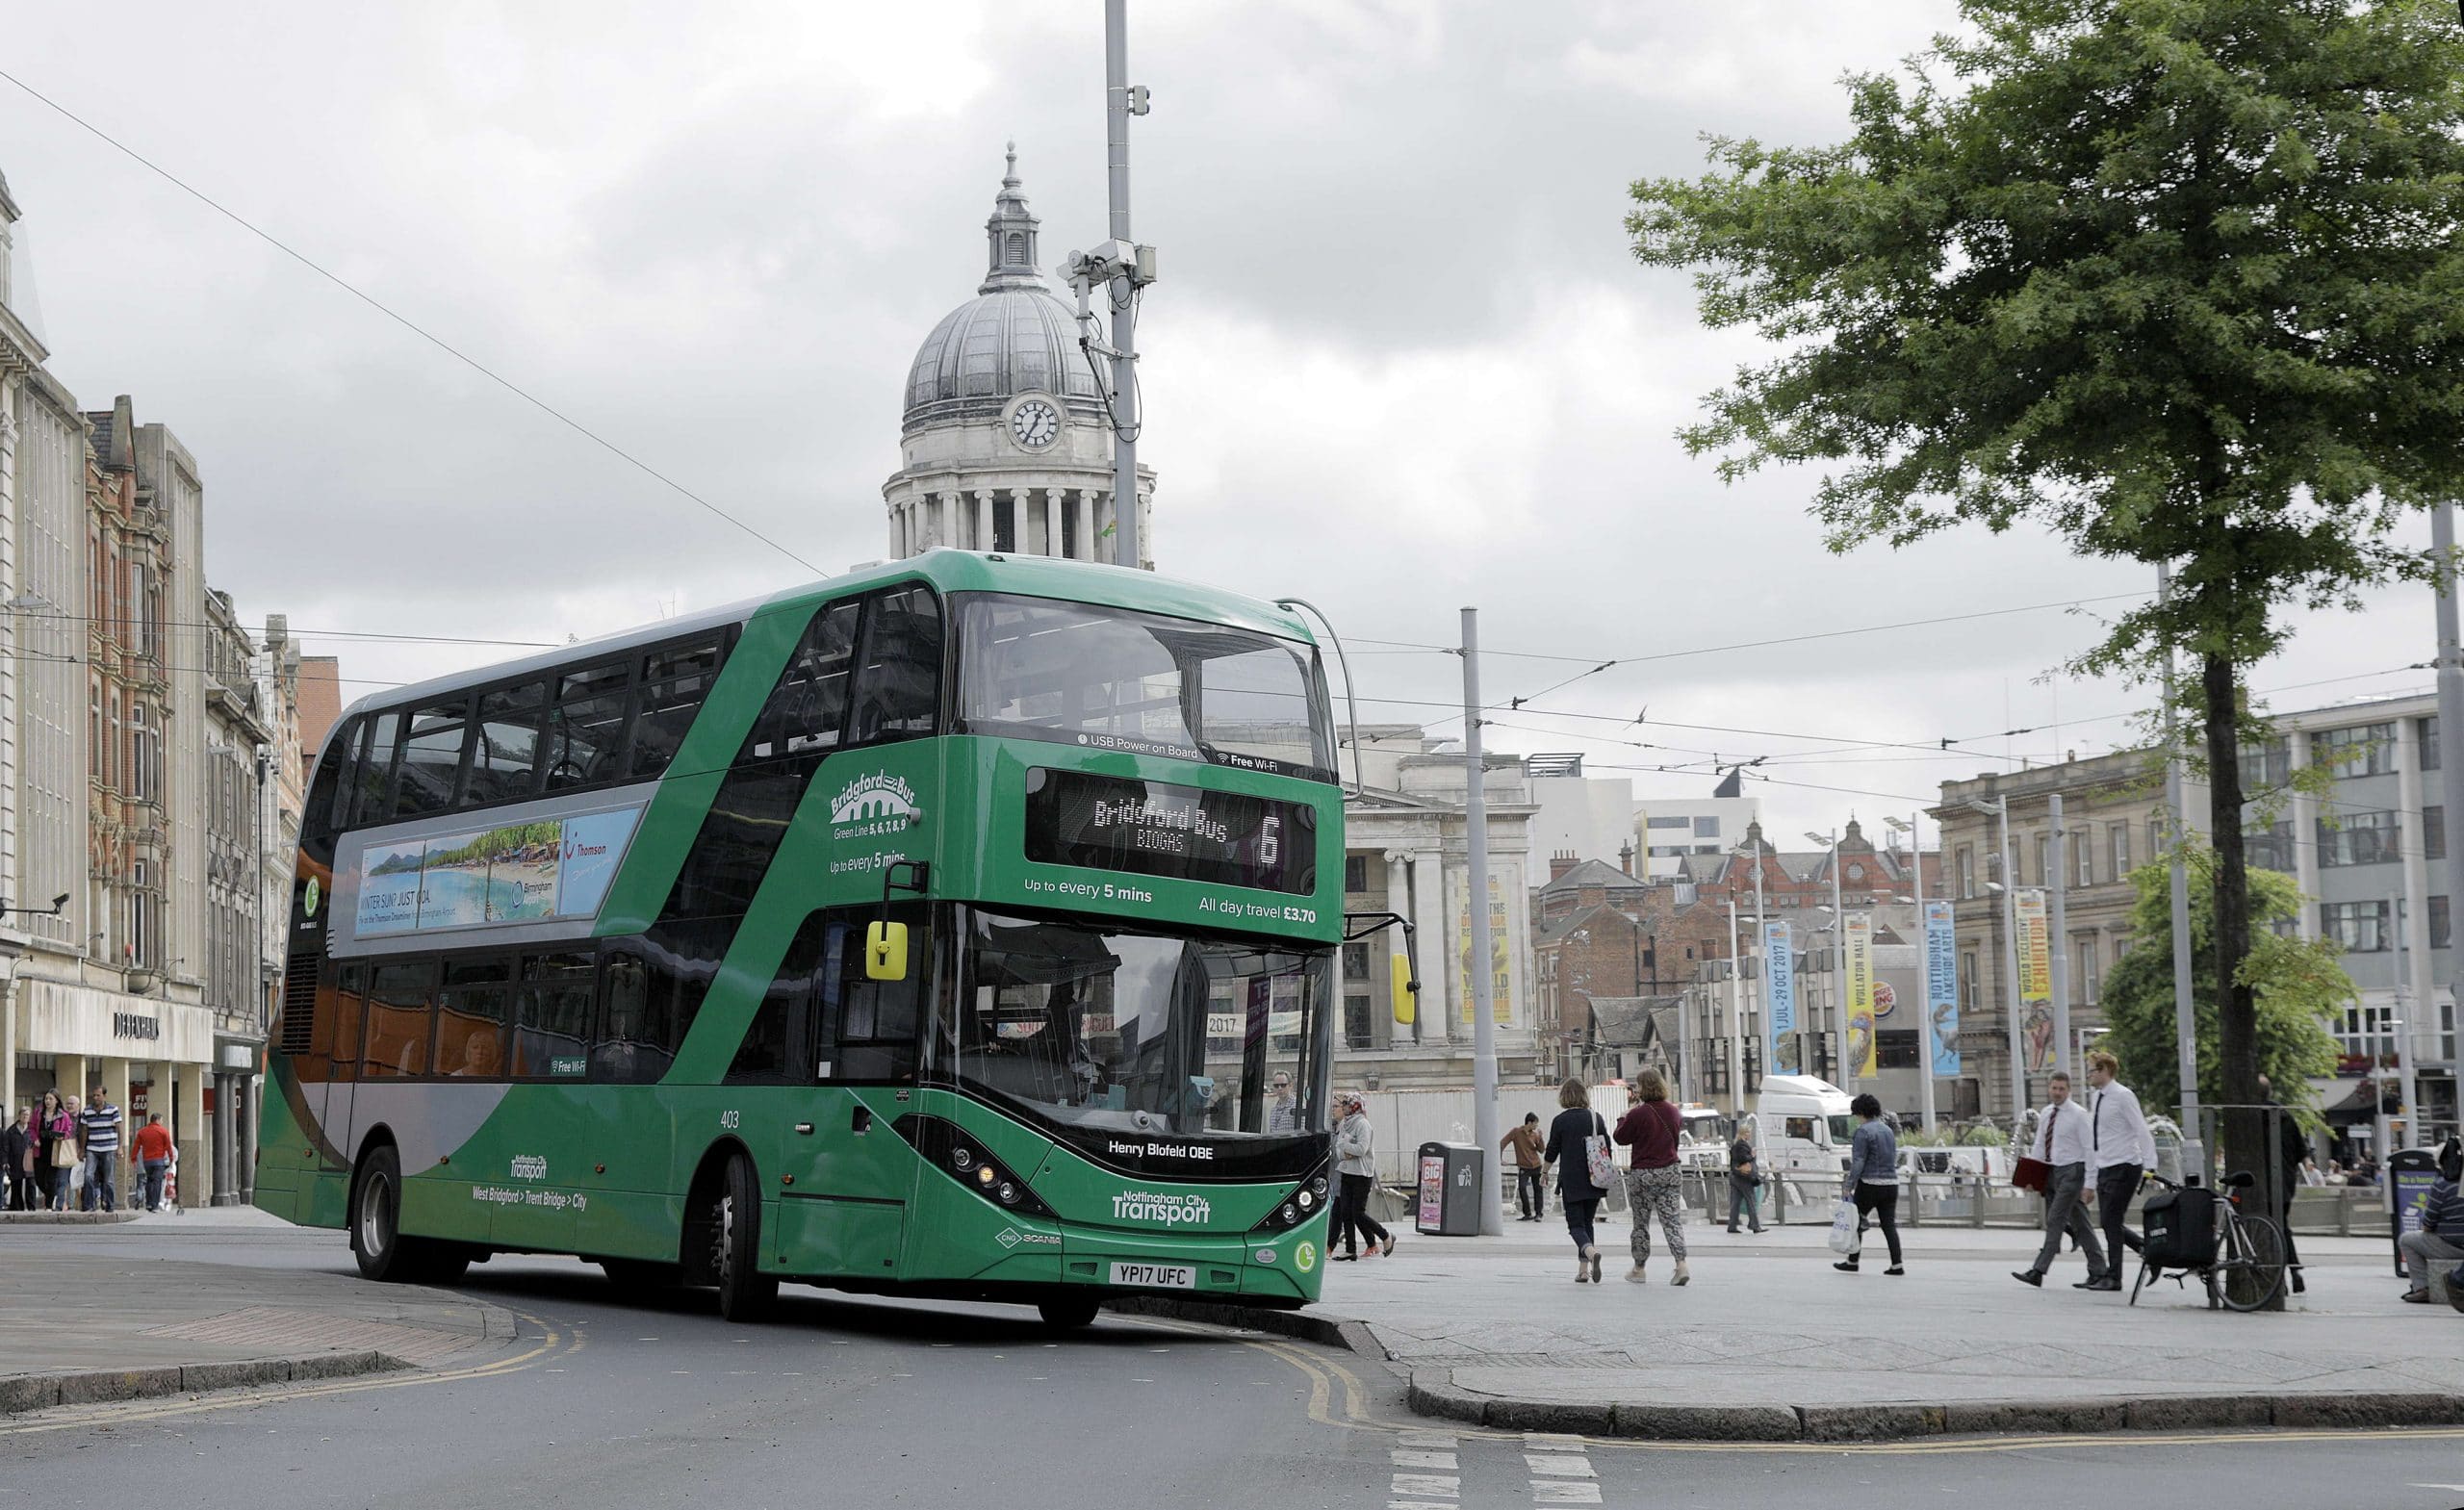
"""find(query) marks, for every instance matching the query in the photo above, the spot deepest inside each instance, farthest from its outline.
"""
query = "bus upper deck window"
(898, 692)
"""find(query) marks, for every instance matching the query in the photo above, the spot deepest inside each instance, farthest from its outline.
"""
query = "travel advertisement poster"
(516, 873)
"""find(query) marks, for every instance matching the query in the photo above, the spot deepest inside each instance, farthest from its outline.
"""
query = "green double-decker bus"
(960, 928)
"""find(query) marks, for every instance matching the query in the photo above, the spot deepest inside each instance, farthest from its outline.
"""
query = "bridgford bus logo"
(1161, 1208)
(877, 803)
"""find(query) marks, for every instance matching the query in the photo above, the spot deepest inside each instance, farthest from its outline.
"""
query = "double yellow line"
(552, 1343)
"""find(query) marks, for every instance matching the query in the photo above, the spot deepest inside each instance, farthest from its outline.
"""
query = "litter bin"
(1449, 1189)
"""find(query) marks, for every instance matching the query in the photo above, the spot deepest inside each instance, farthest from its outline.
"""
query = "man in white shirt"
(2122, 1150)
(2064, 1142)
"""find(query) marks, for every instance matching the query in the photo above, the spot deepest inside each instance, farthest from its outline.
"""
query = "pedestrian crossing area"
(1437, 1471)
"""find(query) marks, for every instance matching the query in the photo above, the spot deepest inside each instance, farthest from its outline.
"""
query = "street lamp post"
(1924, 970)
(1999, 810)
(1735, 1057)
(1839, 964)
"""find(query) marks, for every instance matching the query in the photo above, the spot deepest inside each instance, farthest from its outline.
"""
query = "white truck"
(1802, 1125)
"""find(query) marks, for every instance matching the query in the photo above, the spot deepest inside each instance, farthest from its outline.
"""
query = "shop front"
(150, 1056)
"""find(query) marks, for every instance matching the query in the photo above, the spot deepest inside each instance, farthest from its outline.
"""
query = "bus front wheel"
(745, 1293)
(1069, 1313)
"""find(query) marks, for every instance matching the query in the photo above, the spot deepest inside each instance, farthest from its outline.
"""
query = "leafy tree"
(2296, 986)
(2178, 281)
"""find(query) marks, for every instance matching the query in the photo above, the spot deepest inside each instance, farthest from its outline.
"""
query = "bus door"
(852, 1177)
(553, 998)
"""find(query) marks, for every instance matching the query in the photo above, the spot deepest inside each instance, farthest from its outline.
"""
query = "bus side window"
(898, 689)
(470, 1017)
(398, 1018)
(651, 992)
(551, 1015)
(675, 680)
(808, 707)
(373, 771)
(327, 806)
(868, 1027)
(586, 731)
(504, 757)
(432, 764)
(334, 1033)
(775, 1044)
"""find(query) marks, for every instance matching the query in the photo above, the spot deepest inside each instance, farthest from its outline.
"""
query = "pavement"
(89, 1325)
(1768, 1342)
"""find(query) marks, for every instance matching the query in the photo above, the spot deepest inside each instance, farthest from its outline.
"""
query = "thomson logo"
(1164, 1210)
(870, 799)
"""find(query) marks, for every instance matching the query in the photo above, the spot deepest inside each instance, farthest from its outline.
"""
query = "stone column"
(227, 1143)
(1084, 502)
(189, 1131)
(251, 1087)
(1052, 507)
(979, 511)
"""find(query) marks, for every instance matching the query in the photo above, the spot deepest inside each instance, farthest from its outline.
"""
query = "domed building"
(1005, 445)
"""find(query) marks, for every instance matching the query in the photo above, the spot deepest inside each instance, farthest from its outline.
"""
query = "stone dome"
(1015, 337)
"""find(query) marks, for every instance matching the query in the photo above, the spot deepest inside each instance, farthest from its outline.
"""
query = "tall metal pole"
(1924, 972)
(2057, 936)
(1475, 882)
(2185, 1001)
(2405, 1014)
(1736, 1013)
(1840, 975)
(2011, 966)
(1124, 292)
(2451, 735)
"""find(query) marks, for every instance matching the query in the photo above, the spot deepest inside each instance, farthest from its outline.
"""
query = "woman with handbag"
(59, 1151)
(1578, 1146)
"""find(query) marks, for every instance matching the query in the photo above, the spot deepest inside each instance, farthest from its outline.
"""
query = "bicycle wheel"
(2253, 1262)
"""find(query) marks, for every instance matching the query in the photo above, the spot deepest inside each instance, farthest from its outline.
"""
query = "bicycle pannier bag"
(2180, 1228)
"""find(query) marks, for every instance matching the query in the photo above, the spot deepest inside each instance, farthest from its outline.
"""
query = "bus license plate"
(1156, 1276)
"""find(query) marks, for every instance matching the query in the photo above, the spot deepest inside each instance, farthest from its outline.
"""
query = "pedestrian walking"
(2440, 1239)
(1745, 1180)
(1873, 1179)
(1579, 1195)
(18, 1145)
(1357, 1168)
(58, 1128)
(2122, 1152)
(1524, 1144)
(153, 1148)
(100, 1122)
(2293, 1151)
(2062, 1144)
(1655, 1185)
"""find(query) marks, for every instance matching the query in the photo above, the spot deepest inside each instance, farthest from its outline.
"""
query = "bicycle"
(2246, 1270)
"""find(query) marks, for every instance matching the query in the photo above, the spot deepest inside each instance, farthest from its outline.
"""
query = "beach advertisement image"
(517, 873)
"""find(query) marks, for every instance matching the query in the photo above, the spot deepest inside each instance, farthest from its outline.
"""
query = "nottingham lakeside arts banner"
(520, 873)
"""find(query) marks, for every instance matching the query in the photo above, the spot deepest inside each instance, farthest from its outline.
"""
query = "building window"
(1356, 961)
(2359, 838)
(1968, 1001)
(2265, 763)
(2117, 841)
(2426, 733)
(1356, 873)
(1356, 1012)
(2434, 832)
(2364, 750)
(2082, 971)
(1686, 824)
(2360, 928)
(2083, 860)
(1896, 1050)
(1707, 828)
(2269, 848)
(2044, 860)
(2438, 922)
(1967, 866)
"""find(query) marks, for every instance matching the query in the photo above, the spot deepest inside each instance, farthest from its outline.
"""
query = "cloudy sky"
(1401, 360)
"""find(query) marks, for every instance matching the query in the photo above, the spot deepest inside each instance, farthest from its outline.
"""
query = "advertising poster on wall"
(1780, 972)
(1858, 955)
(1500, 951)
(2036, 986)
(516, 873)
(1941, 989)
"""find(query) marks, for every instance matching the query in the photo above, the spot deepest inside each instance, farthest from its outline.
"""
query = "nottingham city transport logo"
(1162, 1208)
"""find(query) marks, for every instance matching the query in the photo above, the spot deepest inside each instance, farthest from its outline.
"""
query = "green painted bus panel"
(674, 819)
(987, 797)
(822, 1235)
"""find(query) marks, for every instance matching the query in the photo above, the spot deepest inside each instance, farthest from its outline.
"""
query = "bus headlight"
(1306, 1200)
(1298, 1206)
(983, 1174)
(1288, 1215)
(1009, 1194)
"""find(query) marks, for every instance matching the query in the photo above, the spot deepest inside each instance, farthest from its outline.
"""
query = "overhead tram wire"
(404, 320)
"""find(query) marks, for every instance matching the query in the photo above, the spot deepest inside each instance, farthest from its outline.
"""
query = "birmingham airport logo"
(878, 798)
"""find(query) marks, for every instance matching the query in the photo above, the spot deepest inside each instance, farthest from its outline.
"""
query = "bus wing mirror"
(885, 951)
(1406, 988)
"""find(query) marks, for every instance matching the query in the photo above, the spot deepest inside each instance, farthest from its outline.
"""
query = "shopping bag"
(1843, 1227)
(1597, 1157)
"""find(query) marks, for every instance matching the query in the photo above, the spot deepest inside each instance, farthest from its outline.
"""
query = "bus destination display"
(1158, 828)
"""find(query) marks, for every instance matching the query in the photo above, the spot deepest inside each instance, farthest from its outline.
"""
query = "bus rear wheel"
(376, 1240)
(1069, 1313)
(745, 1293)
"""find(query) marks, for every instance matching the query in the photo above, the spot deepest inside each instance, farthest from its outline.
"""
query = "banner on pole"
(1941, 989)
(2035, 984)
(1778, 991)
(1860, 960)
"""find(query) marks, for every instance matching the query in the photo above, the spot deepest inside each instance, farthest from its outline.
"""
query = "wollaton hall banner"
(1860, 960)
(2036, 986)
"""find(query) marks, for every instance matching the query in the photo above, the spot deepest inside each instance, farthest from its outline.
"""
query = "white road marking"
(1412, 1457)
(1441, 1485)
(1558, 1465)
(1564, 1492)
